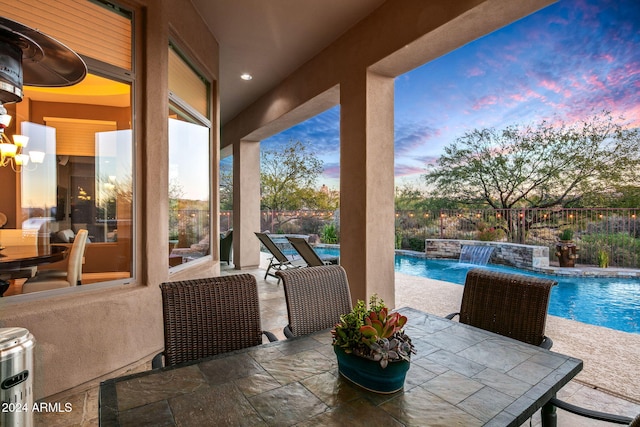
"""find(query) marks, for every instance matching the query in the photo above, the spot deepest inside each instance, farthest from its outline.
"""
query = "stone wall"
(511, 254)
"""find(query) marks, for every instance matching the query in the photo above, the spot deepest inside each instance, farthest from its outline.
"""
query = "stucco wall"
(85, 333)
(90, 332)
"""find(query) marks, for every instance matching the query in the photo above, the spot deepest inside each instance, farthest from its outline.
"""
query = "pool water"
(610, 302)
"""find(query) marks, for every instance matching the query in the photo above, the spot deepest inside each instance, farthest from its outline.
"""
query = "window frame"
(129, 77)
(189, 114)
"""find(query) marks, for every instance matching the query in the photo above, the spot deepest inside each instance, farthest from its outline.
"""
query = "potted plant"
(372, 349)
(566, 250)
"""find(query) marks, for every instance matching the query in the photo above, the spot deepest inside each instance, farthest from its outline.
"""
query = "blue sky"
(567, 61)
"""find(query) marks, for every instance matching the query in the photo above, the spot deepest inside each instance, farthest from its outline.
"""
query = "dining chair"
(205, 317)
(316, 297)
(516, 305)
(596, 415)
(513, 305)
(53, 279)
(19, 237)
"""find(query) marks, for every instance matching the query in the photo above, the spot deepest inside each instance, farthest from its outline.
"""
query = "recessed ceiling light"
(246, 76)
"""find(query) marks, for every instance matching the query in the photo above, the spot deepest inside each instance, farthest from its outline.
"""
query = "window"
(85, 180)
(189, 154)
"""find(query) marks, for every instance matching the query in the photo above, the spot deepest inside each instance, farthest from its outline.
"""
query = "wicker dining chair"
(513, 305)
(205, 317)
(596, 415)
(316, 297)
(516, 306)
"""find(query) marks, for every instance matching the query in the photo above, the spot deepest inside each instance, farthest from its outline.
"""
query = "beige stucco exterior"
(89, 332)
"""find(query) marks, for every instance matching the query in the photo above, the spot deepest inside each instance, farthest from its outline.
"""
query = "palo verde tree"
(538, 166)
(288, 176)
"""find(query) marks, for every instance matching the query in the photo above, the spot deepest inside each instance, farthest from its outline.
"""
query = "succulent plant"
(373, 333)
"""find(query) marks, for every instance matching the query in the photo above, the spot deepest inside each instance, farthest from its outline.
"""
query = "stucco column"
(246, 200)
(366, 185)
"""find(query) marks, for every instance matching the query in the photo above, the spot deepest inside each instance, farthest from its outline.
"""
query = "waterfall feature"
(475, 254)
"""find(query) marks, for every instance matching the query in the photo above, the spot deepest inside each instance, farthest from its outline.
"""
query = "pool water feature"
(610, 302)
(475, 254)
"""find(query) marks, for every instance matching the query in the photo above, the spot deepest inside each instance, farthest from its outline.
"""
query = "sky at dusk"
(567, 61)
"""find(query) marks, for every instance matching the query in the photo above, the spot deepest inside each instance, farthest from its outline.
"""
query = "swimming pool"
(610, 302)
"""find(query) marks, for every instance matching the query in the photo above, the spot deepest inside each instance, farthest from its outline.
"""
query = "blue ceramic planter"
(369, 374)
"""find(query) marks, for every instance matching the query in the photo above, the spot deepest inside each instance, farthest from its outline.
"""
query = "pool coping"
(577, 271)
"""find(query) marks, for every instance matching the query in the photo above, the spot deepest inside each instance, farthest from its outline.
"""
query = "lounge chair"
(278, 261)
(309, 255)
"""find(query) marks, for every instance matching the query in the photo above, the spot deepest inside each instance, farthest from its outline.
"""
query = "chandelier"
(47, 63)
(12, 153)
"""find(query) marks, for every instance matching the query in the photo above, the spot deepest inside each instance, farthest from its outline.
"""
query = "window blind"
(77, 137)
(86, 27)
(185, 83)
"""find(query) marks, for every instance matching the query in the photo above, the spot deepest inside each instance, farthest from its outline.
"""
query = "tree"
(410, 198)
(538, 166)
(287, 177)
(226, 189)
(624, 196)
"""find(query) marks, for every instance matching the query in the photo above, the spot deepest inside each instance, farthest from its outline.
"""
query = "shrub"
(329, 234)
(625, 249)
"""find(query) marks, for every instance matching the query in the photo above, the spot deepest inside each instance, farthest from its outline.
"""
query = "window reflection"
(85, 180)
(189, 235)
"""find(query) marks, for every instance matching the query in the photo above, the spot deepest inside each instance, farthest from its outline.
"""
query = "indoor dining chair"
(316, 297)
(205, 317)
(53, 279)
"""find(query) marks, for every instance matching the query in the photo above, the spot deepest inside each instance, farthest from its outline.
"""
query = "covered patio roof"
(354, 66)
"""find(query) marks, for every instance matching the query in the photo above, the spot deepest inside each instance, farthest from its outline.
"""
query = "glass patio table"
(461, 375)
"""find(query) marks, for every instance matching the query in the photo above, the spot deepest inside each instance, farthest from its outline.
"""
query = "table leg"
(548, 415)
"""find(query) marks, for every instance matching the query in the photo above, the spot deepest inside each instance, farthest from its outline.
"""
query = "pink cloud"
(332, 170)
(405, 170)
(475, 72)
(551, 85)
(608, 57)
(484, 102)
(594, 82)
